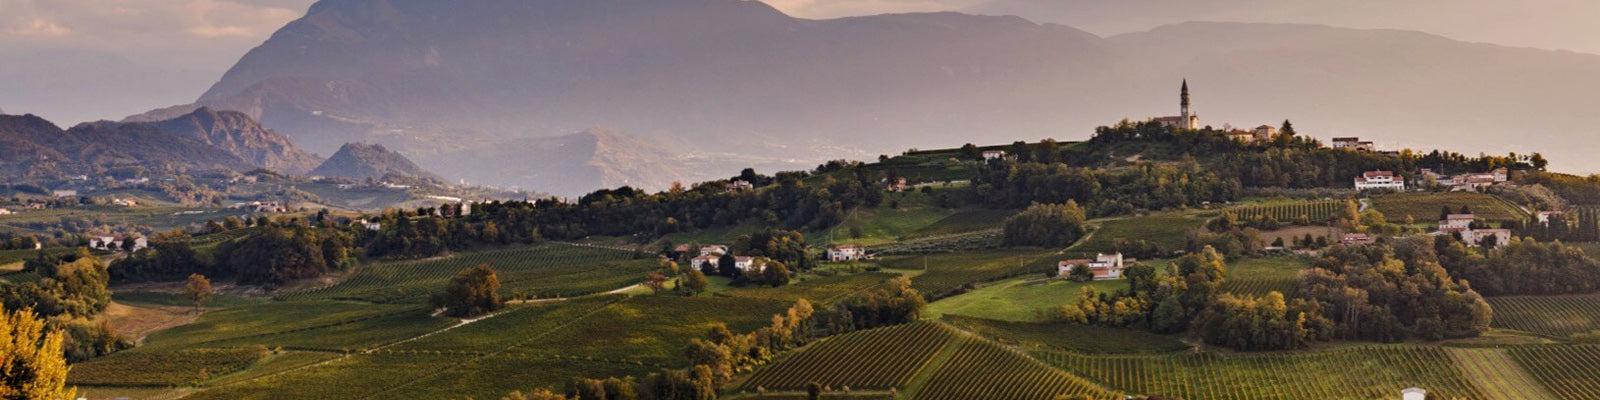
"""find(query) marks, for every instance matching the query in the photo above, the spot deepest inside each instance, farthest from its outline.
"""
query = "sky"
(106, 59)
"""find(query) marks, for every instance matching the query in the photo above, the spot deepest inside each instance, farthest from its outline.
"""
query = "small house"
(1413, 394)
(1372, 180)
(1265, 132)
(64, 193)
(1456, 222)
(739, 185)
(994, 154)
(1357, 239)
(747, 264)
(702, 261)
(846, 252)
(713, 250)
(1475, 237)
(1544, 216)
(4, 211)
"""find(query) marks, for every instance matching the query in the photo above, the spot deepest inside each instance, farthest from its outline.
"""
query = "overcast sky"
(92, 59)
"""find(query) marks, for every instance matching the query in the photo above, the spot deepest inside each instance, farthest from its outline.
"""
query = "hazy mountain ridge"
(201, 140)
(370, 161)
(443, 81)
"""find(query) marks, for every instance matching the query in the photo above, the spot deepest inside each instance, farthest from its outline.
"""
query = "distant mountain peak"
(363, 161)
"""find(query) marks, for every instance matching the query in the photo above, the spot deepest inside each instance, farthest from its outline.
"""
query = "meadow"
(1023, 299)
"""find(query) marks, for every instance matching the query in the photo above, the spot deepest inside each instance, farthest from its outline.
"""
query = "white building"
(1413, 394)
(994, 154)
(1104, 266)
(701, 261)
(1265, 132)
(846, 252)
(1186, 119)
(1353, 144)
(747, 264)
(713, 250)
(1474, 237)
(1544, 216)
(65, 193)
(1379, 180)
(739, 185)
(112, 244)
(5, 211)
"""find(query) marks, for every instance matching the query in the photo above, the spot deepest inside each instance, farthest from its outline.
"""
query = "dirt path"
(135, 322)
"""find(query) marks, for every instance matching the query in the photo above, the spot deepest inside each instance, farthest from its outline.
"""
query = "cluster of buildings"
(1187, 119)
(847, 253)
(711, 256)
(1470, 182)
(1461, 224)
(1375, 180)
(739, 185)
(1353, 144)
(260, 207)
(1104, 266)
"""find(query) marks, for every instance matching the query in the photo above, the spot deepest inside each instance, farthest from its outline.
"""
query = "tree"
(1080, 273)
(472, 292)
(656, 282)
(775, 274)
(1047, 225)
(813, 389)
(34, 365)
(694, 282)
(728, 265)
(198, 289)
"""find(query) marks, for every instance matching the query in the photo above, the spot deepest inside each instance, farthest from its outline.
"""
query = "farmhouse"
(1185, 118)
(1456, 223)
(994, 154)
(1372, 180)
(846, 252)
(713, 250)
(738, 185)
(701, 261)
(1104, 266)
(747, 264)
(896, 184)
(1265, 132)
(1475, 237)
(64, 193)
(1241, 135)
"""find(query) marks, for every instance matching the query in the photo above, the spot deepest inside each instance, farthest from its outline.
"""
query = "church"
(1185, 118)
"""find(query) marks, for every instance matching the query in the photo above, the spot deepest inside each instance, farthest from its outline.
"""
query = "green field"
(1553, 316)
(315, 324)
(817, 290)
(175, 299)
(1425, 207)
(1317, 211)
(545, 270)
(946, 273)
(1168, 230)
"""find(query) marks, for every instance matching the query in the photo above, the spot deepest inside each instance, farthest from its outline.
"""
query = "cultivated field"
(1068, 336)
(947, 273)
(1554, 316)
(1425, 207)
(1318, 212)
(1570, 372)
(1257, 276)
(882, 358)
(547, 270)
(1167, 230)
(981, 369)
(1356, 373)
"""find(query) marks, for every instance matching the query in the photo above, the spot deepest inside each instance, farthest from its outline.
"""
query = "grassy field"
(1553, 316)
(1257, 276)
(1351, 373)
(1168, 230)
(947, 273)
(1021, 299)
(910, 215)
(1425, 207)
(1066, 336)
(545, 270)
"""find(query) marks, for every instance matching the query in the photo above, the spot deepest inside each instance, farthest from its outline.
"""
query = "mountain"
(241, 136)
(739, 83)
(202, 140)
(364, 161)
(576, 163)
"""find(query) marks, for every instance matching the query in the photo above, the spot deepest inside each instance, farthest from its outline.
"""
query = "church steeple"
(1185, 96)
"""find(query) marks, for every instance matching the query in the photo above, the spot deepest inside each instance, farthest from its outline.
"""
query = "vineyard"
(1256, 277)
(1554, 316)
(1425, 207)
(1357, 373)
(817, 290)
(882, 358)
(1569, 372)
(146, 368)
(549, 270)
(981, 369)
(1318, 212)
(947, 273)
(1494, 371)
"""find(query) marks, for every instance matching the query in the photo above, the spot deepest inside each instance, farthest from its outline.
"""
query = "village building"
(897, 184)
(109, 243)
(64, 193)
(1241, 135)
(1265, 132)
(1352, 144)
(994, 154)
(1104, 266)
(1357, 239)
(1186, 119)
(369, 225)
(4, 211)
(1372, 180)
(747, 264)
(1476, 237)
(846, 252)
(124, 202)
(701, 261)
(1456, 223)
(739, 185)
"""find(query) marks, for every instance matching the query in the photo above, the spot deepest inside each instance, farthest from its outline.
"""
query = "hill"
(364, 161)
(439, 81)
(200, 140)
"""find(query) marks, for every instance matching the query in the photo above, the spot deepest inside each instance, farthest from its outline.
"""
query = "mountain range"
(493, 90)
(204, 139)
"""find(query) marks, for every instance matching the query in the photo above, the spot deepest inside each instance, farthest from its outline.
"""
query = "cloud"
(178, 33)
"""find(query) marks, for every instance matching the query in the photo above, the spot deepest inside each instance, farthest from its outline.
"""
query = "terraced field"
(545, 270)
(1554, 316)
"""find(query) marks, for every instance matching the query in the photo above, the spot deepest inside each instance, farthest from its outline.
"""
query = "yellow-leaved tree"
(32, 365)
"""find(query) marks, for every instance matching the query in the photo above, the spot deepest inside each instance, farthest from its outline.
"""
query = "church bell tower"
(1187, 119)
